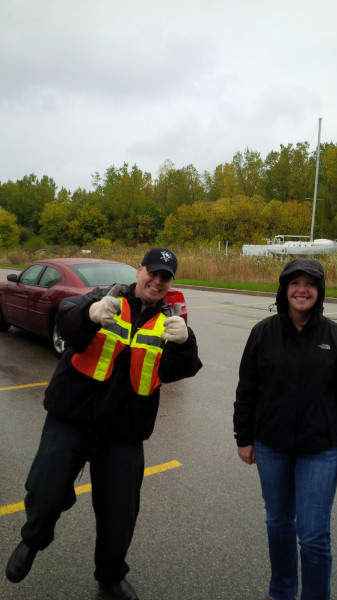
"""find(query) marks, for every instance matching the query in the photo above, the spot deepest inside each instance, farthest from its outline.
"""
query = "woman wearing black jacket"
(285, 420)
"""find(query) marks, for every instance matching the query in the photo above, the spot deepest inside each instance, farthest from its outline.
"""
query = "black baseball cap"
(160, 259)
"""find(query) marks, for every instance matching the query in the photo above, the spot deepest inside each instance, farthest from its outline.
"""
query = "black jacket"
(111, 407)
(286, 396)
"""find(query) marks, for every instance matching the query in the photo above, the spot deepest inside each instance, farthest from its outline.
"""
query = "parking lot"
(200, 534)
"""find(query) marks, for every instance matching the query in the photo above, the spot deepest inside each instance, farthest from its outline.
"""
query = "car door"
(17, 296)
(41, 300)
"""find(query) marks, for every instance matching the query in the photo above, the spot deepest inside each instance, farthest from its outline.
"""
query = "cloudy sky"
(86, 84)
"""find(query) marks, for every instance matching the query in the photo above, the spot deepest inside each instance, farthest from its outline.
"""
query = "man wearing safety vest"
(102, 402)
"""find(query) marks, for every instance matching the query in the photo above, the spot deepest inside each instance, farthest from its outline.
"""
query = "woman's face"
(302, 294)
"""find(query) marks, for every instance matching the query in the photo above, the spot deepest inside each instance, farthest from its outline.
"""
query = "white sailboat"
(300, 247)
(304, 245)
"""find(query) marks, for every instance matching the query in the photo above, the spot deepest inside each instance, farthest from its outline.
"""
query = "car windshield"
(97, 274)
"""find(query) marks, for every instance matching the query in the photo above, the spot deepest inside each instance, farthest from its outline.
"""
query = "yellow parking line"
(25, 385)
(173, 464)
(82, 489)
(11, 508)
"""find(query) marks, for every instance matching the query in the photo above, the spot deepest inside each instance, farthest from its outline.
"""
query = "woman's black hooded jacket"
(286, 395)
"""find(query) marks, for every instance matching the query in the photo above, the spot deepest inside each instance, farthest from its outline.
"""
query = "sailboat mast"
(316, 181)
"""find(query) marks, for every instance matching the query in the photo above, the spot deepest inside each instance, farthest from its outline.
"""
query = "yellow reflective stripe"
(105, 358)
(121, 332)
(150, 340)
(147, 371)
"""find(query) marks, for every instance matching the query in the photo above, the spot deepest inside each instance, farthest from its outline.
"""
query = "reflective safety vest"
(98, 359)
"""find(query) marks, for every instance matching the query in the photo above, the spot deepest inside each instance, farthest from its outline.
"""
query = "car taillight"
(176, 297)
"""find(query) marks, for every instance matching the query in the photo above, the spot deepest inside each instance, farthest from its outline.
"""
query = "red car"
(30, 300)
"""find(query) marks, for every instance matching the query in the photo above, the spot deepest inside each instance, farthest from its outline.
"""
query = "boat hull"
(316, 247)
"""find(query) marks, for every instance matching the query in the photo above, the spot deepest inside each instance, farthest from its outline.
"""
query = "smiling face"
(302, 294)
(151, 287)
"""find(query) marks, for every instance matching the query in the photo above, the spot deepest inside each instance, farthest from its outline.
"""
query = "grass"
(232, 285)
(331, 292)
(11, 266)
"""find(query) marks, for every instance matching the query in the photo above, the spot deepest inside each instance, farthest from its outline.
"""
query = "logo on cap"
(166, 256)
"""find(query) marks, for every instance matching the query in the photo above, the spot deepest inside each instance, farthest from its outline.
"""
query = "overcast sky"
(87, 84)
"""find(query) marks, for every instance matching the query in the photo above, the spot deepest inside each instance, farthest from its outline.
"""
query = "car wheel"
(3, 324)
(57, 341)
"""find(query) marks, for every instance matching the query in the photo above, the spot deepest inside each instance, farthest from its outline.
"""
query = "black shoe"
(20, 563)
(120, 590)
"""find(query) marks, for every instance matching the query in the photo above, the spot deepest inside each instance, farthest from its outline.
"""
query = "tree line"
(245, 201)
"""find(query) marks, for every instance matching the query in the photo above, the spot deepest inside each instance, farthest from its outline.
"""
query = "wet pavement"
(200, 533)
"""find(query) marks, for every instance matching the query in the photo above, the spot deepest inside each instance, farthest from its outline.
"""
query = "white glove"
(104, 310)
(176, 330)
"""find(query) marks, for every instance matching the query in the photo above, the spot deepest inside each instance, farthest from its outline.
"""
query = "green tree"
(55, 221)
(161, 185)
(328, 173)
(88, 224)
(179, 186)
(287, 218)
(126, 198)
(122, 192)
(290, 173)
(302, 176)
(27, 198)
(191, 226)
(239, 220)
(249, 173)
(222, 184)
(326, 209)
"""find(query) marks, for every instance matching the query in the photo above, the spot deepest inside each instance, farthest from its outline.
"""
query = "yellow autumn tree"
(9, 230)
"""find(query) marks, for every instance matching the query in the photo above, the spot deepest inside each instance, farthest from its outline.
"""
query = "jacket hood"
(300, 265)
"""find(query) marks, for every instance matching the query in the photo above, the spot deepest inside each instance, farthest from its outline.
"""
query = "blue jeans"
(298, 491)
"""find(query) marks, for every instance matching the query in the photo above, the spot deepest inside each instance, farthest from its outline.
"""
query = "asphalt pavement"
(201, 532)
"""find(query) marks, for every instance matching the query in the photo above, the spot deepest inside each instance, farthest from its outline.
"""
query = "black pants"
(116, 470)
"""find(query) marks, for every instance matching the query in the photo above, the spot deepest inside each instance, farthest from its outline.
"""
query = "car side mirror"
(12, 277)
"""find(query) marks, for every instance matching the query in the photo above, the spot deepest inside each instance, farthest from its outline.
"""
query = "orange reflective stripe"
(87, 361)
(126, 310)
(98, 358)
(137, 362)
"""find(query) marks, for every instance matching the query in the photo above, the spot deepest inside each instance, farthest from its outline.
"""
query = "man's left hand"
(176, 330)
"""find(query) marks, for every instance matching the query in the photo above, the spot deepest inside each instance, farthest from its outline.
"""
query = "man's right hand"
(104, 310)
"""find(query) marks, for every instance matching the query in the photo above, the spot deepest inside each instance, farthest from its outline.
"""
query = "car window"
(98, 274)
(31, 275)
(50, 277)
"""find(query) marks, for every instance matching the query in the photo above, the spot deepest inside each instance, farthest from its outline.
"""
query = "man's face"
(151, 287)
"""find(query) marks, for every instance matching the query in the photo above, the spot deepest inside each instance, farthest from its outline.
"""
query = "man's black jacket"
(112, 407)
